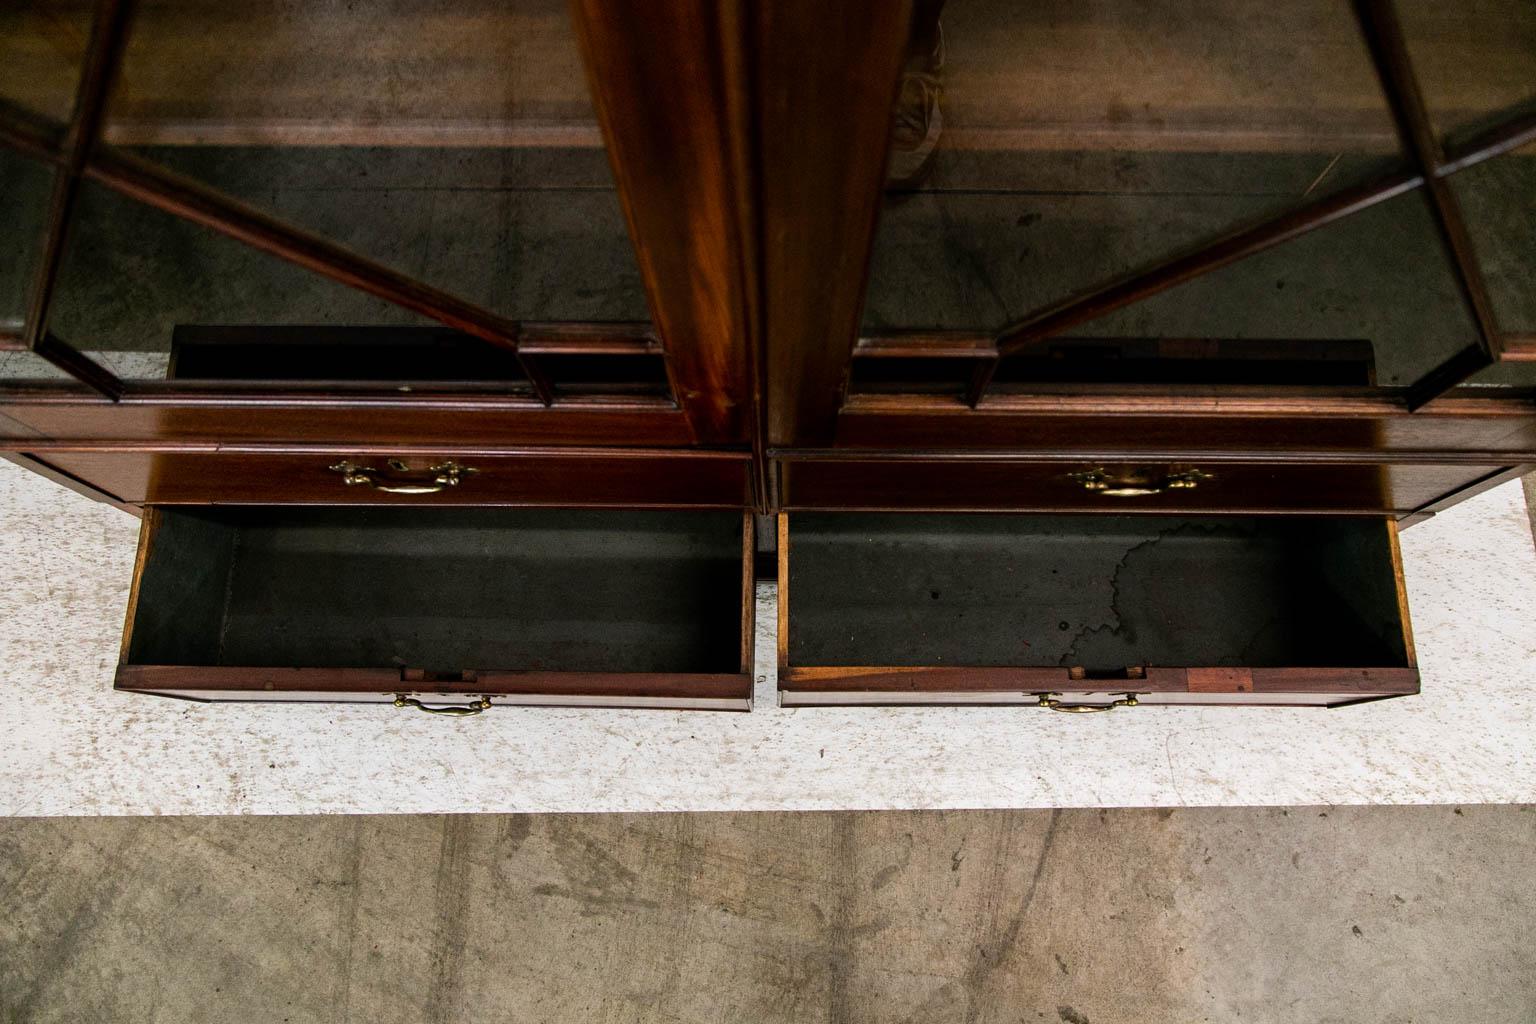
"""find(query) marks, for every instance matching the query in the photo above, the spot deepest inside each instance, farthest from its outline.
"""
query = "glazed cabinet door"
(533, 204)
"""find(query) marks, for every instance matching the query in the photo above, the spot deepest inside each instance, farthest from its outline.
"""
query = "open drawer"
(468, 606)
(1080, 612)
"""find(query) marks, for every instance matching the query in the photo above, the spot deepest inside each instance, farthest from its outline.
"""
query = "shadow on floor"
(1084, 916)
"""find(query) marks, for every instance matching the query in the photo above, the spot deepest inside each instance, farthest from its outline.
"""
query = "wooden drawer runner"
(1158, 487)
(1067, 611)
(545, 607)
(579, 479)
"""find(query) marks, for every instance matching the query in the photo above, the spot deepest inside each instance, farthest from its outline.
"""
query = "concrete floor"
(1307, 914)
(1387, 915)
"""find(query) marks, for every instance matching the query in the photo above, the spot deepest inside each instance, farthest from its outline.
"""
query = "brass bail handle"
(1053, 702)
(441, 476)
(452, 710)
(1139, 483)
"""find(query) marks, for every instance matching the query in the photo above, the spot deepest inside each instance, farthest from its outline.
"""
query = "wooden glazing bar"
(1239, 245)
(80, 366)
(981, 378)
(1509, 135)
(535, 372)
(103, 56)
(1448, 375)
(31, 135)
(1389, 52)
(109, 33)
(183, 197)
(1506, 137)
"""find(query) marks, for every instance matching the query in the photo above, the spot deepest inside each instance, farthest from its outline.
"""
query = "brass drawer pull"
(442, 475)
(453, 710)
(1053, 701)
(1139, 483)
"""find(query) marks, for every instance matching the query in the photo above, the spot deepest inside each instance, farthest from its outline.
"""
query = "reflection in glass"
(24, 188)
(133, 275)
(1042, 150)
(42, 45)
(454, 143)
(1474, 60)
(1498, 201)
(1368, 299)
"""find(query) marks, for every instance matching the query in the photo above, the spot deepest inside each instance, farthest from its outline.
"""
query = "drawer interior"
(441, 590)
(1095, 593)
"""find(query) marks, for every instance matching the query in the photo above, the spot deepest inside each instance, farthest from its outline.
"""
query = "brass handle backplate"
(1053, 702)
(1139, 482)
(435, 478)
(453, 710)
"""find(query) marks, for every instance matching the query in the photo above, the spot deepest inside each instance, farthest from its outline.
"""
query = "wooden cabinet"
(329, 264)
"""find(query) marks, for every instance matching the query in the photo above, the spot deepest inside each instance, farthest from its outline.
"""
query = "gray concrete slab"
(1319, 914)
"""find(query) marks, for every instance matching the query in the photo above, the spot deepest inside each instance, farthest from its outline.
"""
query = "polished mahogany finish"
(751, 194)
(219, 415)
(1119, 487)
(754, 156)
(591, 478)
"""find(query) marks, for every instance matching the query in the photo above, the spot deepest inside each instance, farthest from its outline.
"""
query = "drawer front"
(1057, 690)
(1118, 488)
(1079, 613)
(638, 480)
(470, 694)
(471, 606)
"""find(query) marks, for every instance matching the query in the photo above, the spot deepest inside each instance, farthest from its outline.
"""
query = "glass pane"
(1498, 200)
(1369, 299)
(1505, 375)
(1043, 149)
(28, 367)
(138, 287)
(25, 185)
(1474, 59)
(453, 142)
(42, 45)
(24, 190)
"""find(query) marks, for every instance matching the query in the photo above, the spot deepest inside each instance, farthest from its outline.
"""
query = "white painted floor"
(69, 745)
